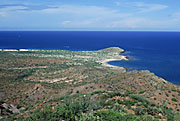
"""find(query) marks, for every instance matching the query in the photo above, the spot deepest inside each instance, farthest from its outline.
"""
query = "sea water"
(158, 52)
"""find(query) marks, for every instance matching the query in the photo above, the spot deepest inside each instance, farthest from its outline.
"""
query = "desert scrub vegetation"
(103, 107)
(68, 110)
(174, 99)
(71, 85)
(84, 110)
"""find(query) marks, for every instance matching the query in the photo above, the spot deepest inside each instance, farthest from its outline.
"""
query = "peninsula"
(80, 85)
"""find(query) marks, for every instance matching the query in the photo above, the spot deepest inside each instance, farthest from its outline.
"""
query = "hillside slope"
(77, 85)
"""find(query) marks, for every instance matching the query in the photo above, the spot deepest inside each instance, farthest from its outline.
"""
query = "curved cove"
(163, 65)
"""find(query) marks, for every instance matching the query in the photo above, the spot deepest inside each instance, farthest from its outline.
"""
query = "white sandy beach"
(105, 62)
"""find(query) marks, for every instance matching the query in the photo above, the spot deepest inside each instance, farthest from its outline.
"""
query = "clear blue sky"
(90, 15)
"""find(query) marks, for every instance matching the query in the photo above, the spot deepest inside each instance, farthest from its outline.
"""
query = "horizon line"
(98, 30)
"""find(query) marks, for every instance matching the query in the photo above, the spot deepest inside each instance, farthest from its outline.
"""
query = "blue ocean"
(158, 52)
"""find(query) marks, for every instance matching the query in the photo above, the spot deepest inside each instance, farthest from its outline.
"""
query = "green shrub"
(167, 95)
(110, 115)
(115, 93)
(174, 90)
(118, 108)
(126, 102)
(97, 92)
(140, 111)
(108, 103)
(141, 92)
(139, 98)
(177, 116)
(174, 99)
(89, 117)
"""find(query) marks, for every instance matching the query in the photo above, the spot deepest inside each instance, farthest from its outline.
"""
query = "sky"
(90, 15)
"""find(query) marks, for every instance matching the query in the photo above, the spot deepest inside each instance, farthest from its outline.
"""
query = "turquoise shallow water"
(158, 52)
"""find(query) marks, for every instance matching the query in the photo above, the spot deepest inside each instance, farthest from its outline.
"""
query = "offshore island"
(80, 85)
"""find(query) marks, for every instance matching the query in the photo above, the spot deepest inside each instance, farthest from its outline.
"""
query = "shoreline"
(105, 62)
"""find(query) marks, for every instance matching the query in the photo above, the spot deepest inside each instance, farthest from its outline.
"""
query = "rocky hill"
(113, 49)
